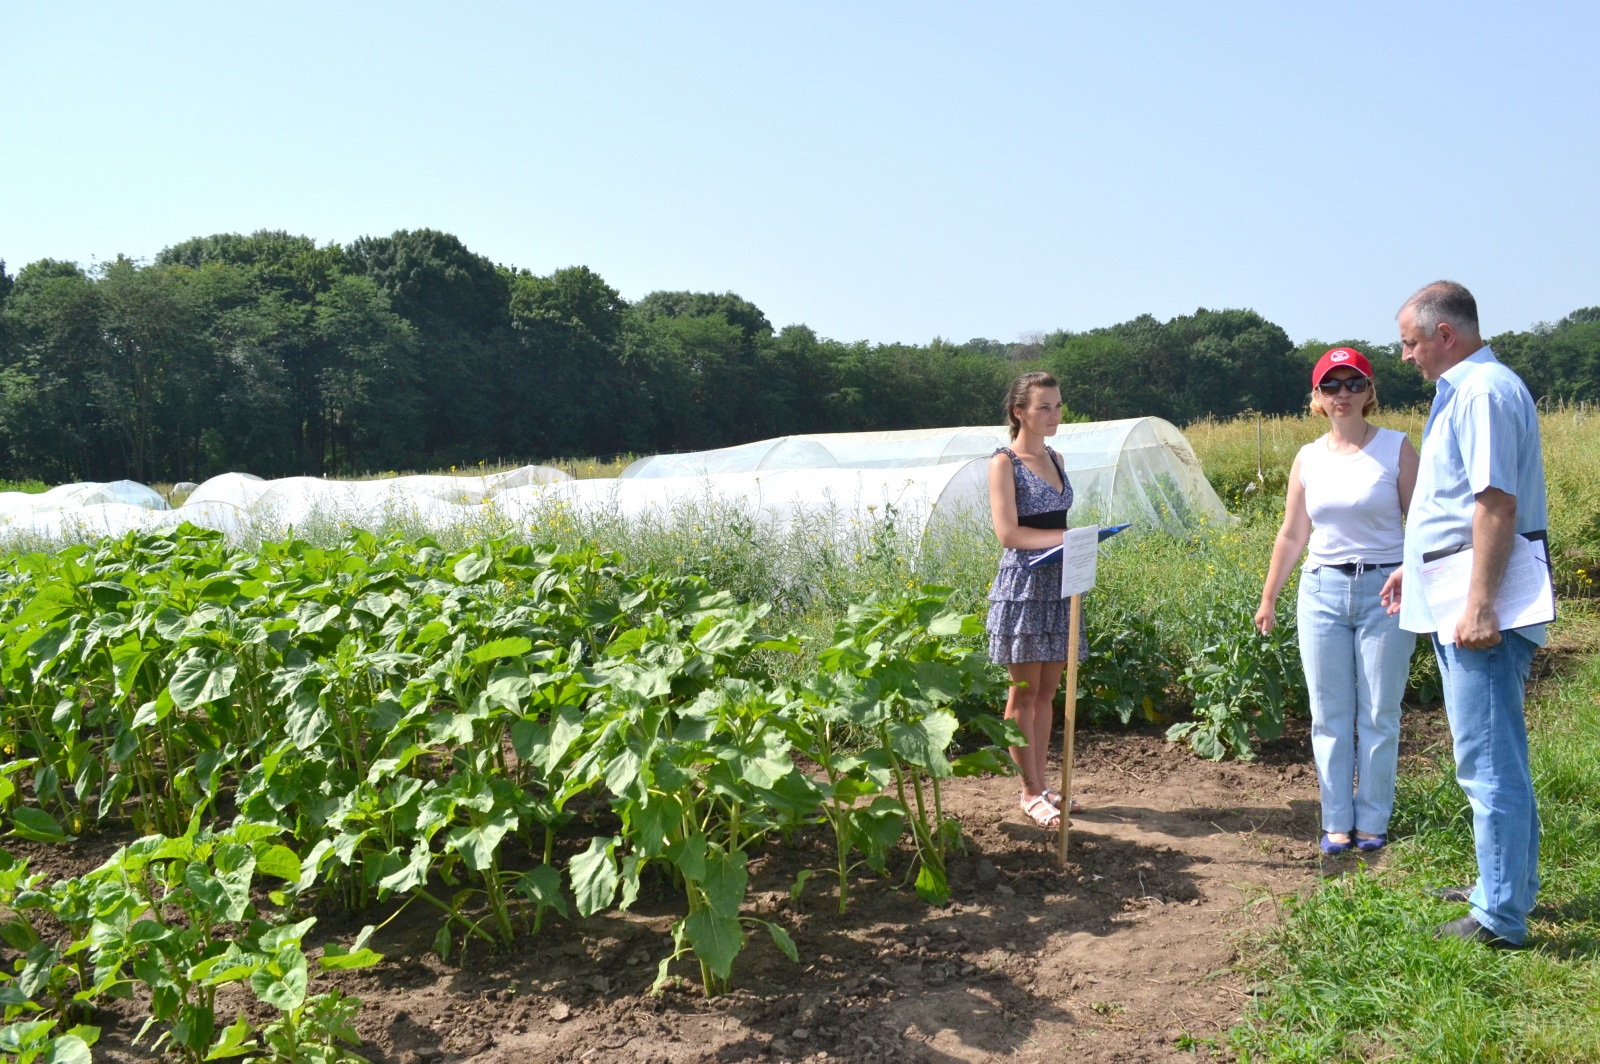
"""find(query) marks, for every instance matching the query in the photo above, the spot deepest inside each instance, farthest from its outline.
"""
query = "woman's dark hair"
(1020, 392)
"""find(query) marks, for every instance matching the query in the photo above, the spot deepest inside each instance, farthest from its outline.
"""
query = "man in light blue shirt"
(1481, 483)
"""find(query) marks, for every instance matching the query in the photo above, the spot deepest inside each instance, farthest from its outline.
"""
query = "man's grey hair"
(1444, 301)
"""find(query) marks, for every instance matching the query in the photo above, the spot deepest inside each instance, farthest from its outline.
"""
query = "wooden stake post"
(1070, 722)
(1079, 552)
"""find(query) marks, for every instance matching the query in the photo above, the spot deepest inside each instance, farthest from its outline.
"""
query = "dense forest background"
(272, 355)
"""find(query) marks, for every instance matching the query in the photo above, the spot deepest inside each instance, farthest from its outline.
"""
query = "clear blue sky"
(881, 172)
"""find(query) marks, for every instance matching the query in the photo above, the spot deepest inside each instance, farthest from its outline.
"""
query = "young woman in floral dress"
(1029, 496)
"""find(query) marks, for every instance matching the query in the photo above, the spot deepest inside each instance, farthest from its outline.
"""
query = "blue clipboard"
(1053, 555)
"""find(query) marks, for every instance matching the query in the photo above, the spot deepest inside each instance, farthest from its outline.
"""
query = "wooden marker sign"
(1079, 554)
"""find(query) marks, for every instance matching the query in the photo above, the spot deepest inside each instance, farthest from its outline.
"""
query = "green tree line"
(271, 354)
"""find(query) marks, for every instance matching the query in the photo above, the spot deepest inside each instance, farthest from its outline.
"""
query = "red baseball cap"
(1341, 356)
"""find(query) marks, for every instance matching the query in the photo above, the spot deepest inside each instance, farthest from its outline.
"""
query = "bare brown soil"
(1126, 955)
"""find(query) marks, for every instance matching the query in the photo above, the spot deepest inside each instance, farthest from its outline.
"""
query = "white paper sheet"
(1525, 595)
(1079, 555)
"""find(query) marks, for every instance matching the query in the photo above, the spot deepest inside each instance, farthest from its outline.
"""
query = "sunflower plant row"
(497, 735)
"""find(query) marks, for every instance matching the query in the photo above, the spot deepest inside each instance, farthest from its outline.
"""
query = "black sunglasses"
(1331, 385)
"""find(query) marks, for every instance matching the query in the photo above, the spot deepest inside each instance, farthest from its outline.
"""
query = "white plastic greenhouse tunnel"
(1137, 469)
(927, 480)
(234, 502)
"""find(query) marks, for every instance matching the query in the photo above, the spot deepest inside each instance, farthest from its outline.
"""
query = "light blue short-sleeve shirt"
(1483, 432)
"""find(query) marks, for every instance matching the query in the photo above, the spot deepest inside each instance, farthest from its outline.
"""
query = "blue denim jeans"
(1483, 692)
(1357, 660)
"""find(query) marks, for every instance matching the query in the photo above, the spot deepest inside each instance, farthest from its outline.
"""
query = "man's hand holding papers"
(1525, 597)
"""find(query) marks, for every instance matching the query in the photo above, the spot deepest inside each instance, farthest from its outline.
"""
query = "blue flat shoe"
(1377, 842)
(1333, 849)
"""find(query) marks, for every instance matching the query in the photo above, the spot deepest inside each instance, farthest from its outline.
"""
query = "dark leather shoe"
(1461, 895)
(1468, 928)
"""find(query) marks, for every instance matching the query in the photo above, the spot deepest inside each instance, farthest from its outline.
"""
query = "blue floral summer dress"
(1028, 618)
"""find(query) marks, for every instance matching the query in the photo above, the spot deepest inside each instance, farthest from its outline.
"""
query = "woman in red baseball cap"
(1349, 491)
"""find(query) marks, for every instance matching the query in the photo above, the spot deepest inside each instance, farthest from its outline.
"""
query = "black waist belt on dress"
(1357, 568)
(1048, 519)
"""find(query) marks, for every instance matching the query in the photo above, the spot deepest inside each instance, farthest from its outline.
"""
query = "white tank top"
(1354, 501)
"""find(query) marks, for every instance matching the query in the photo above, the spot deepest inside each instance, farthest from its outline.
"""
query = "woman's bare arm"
(1407, 479)
(1293, 535)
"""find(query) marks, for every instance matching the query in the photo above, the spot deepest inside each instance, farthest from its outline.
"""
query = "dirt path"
(1128, 952)
(1118, 958)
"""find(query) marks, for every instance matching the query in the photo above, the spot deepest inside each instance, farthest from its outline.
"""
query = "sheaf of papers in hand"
(1525, 597)
(1052, 556)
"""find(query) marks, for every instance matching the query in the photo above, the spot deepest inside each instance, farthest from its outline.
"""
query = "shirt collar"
(1455, 373)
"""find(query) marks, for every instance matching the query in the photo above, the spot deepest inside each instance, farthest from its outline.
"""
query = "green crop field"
(504, 726)
(345, 726)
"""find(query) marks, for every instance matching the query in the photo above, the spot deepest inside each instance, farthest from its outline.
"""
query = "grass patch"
(610, 466)
(1352, 971)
